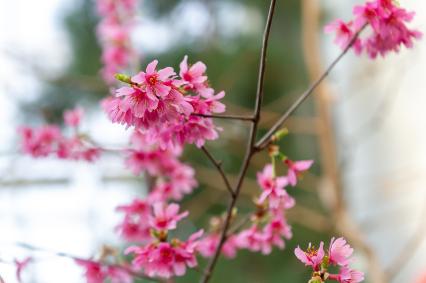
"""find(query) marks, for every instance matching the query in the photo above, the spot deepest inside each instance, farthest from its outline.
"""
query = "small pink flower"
(339, 252)
(166, 216)
(154, 81)
(73, 117)
(312, 256)
(138, 100)
(20, 266)
(273, 187)
(94, 271)
(207, 246)
(296, 168)
(135, 226)
(347, 275)
(192, 75)
(118, 275)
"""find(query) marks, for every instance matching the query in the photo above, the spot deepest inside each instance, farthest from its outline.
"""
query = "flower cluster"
(269, 226)
(388, 28)
(96, 272)
(173, 180)
(49, 140)
(338, 255)
(114, 35)
(159, 256)
(167, 108)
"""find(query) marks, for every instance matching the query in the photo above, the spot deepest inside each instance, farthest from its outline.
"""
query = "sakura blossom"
(166, 108)
(166, 259)
(338, 254)
(49, 140)
(388, 29)
(113, 30)
(96, 272)
(296, 168)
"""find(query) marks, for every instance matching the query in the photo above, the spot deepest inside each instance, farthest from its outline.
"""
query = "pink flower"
(207, 246)
(73, 117)
(339, 252)
(344, 34)
(192, 75)
(118, 275)
(39, 142)
(165, 259)
(312, 256)
(166, 216)
(296, 168)
(154, 81)
(388, 24)
(135, 226)
(273, 187)
(94, 271)
(20, 266)
(347, 275)
(138, 100)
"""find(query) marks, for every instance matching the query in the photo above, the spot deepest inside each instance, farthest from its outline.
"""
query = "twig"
(250, 150)
(226, 117)
(266, 139)
(218, 165)
(66, 255)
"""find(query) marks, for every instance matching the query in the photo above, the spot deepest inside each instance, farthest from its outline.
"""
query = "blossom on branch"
(337, 255)
(387, 22)
(166, 108)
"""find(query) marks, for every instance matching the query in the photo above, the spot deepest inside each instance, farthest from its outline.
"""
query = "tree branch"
(218, 165)
(267, 138)
(226, 117)
(250, 150)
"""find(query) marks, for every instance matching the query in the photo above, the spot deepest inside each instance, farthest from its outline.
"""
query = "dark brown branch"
(267, 138)
(218, 165)
(226, 117)
(250, 150)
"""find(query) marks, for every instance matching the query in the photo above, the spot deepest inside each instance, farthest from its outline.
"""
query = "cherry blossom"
(388, 28)
(165, 217)
(73, 117)
(339, 252)
(273, 187)
(312, 256)
(296, 168)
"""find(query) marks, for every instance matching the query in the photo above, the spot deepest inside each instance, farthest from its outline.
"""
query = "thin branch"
(226, 117)
(218, 165)
(267, 138)
(69, 256)
(250, 150)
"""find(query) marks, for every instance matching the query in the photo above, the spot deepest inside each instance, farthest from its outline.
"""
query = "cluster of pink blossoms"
(173, 179)
(388, 24)
(158, 255)
(269, 226)
(166, 108)
(338, 255)
(96, 272)
(49, 140)
(114, 34)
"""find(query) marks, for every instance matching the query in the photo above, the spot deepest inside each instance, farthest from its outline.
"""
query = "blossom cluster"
(388, 23)
(173, 179)
(114, 35)
(96, 272)
(49, 140)
(170, 110)
(158, 255)
(338, 254)
(269, 226)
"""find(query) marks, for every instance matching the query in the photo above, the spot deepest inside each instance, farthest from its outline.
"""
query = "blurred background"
(365, 128)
